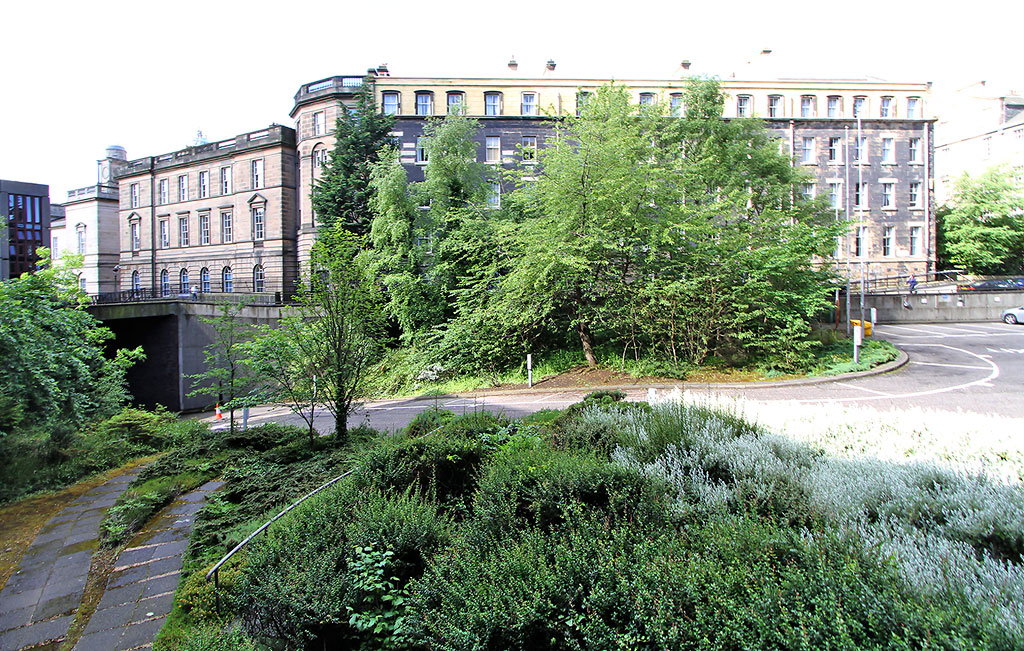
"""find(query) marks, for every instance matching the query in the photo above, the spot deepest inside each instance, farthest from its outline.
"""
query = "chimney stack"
(550, 65)
(685, 64)
(512, 65)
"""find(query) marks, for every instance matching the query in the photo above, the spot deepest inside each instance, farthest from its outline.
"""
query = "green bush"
(427, 421)
(257, 486)
(440, 467)
(604, 396)
(34, 460)
(535, 487)
(264, 437)
(733, 583)
(211, 638)
(309, 575)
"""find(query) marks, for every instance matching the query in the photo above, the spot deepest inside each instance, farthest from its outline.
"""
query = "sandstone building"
(236, 215)
(218, 216)
(868, 145)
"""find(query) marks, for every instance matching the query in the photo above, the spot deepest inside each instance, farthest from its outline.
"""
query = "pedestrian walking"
(913, 283)
(195, 293)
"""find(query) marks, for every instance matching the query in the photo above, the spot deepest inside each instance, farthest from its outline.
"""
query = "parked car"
(987, 286)
(1014, 315)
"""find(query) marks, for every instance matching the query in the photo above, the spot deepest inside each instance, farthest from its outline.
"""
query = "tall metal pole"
(860, 210)
(846, 165)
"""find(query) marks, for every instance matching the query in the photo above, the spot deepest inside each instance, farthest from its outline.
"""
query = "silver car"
(1013, 315)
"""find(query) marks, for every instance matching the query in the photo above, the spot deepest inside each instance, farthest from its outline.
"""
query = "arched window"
(258, 278)
(165, 283)
(319, 156)
(226, 283)
(136, 282)
(183, 281)
(204, 280)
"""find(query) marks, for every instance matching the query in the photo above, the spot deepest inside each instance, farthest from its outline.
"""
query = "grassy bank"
(405, 374)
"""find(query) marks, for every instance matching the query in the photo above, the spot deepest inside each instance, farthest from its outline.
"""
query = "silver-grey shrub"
(952, 532)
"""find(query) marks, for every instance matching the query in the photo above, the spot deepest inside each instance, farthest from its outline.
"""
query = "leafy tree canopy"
(982, 230)
(54, 375)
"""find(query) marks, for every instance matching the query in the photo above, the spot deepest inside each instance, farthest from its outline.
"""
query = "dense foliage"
(56, 379)
(341, 193)
(55, 376)
(982, 230)
(695, 529)
(676, 239)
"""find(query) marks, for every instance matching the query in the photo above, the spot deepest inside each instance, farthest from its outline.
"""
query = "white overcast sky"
(76, 77)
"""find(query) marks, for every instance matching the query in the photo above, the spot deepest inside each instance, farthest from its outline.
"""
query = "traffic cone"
(219, 415)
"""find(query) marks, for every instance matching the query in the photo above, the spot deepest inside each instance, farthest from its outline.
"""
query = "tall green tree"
(676, 235)
(54, 375)
(982, 230)
(342, 193)
(422, 255)
(343, 335)
(282, 371)
(226, 378)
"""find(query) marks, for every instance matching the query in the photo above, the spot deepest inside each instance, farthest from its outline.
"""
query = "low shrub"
(441, 467)
(141, 501)
(264, 437)
(32, 461)
(336, 562)
(211, 638)
(535, 487)
(604, 396)
(427, 421)
(728, 583)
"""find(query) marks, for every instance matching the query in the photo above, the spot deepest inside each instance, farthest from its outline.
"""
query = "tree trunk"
(340, 421)
(588, 344)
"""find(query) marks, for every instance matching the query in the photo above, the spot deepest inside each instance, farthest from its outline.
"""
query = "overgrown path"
(41, 598)
(141, 588)
(52, 586)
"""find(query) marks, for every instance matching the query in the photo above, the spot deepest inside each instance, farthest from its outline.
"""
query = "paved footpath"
(41, 597)
(141, 588)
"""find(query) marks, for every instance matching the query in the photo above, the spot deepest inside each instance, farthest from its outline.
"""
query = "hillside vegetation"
(613, 525)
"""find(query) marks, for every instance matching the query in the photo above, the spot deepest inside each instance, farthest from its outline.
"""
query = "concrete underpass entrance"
(173, 336)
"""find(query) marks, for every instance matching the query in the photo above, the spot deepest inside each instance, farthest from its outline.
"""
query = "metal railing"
(215, 570)
(145, 295)
(883, 284)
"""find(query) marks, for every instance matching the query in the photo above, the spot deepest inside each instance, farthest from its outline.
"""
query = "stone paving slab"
(39, 600)
(140, 591)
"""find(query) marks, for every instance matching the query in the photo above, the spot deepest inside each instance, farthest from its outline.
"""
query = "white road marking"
(977, 368)
(994, 373)
(888, 327)
(854, 386)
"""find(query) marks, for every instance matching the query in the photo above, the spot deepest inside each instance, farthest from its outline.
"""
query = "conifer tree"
(342, 194)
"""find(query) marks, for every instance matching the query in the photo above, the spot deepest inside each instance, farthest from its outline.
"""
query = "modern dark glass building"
(26, 226)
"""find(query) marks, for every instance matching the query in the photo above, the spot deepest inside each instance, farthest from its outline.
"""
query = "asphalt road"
(969, 367)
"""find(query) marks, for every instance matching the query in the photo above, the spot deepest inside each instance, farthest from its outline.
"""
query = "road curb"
(888, 367)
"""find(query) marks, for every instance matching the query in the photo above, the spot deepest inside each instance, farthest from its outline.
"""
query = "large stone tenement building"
(236, 215)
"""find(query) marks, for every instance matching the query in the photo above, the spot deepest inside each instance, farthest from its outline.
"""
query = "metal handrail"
(215, 570)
